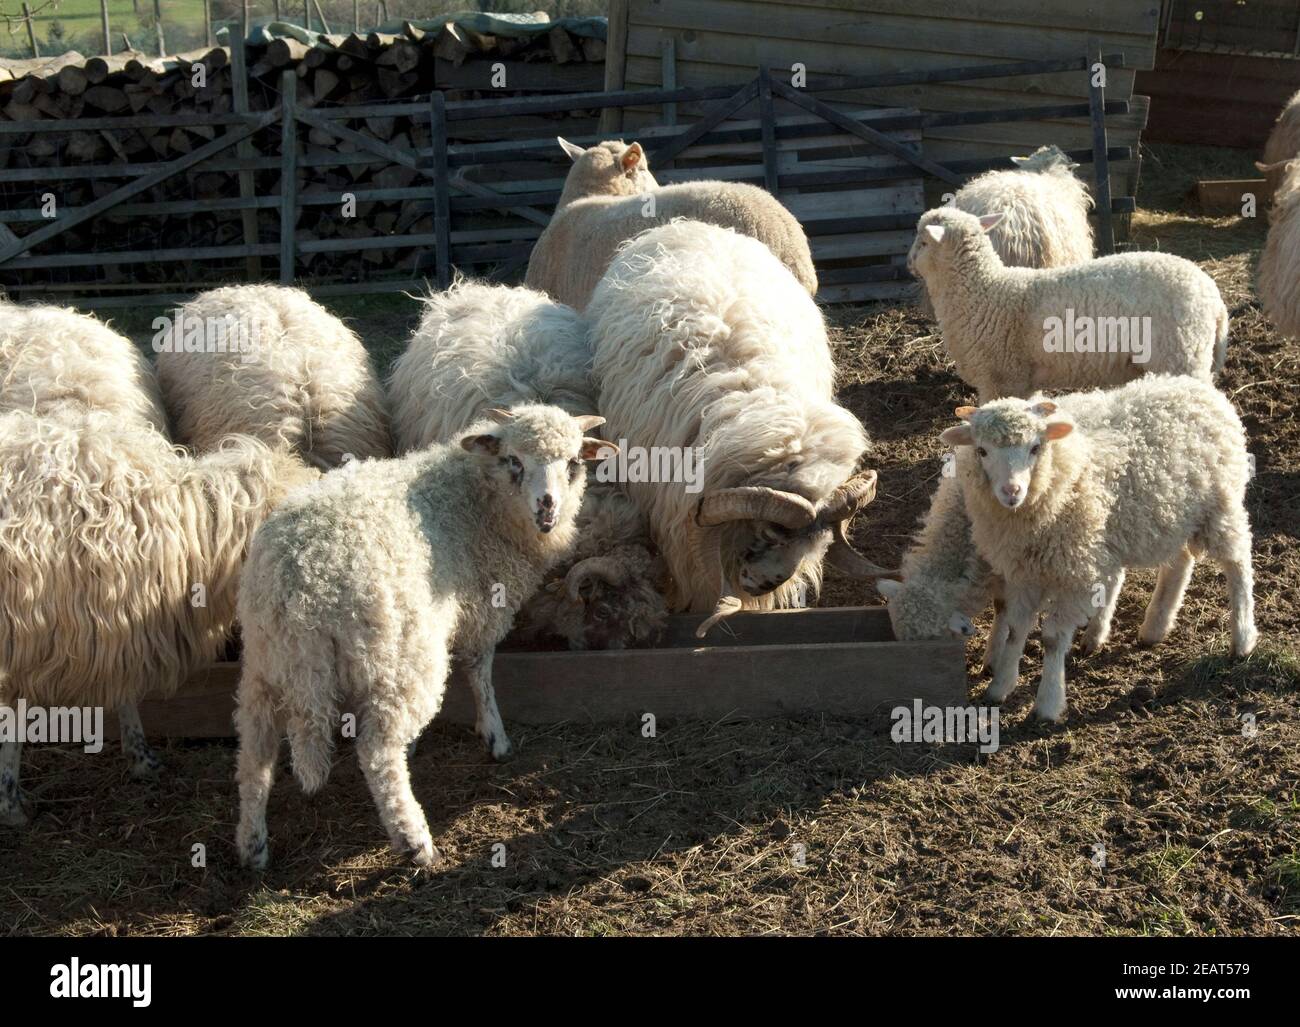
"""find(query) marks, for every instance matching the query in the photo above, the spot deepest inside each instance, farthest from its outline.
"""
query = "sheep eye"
(574, 466)
(1033, 451)
(982, 451)
(514, 463)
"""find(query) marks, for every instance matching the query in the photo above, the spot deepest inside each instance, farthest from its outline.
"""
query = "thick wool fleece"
(107, 533)
(702, 339)
(580, 242)
(51, 357)
(480, 346)
(994, 318)
(1279, 264)
(1283, 143)
(304, 384)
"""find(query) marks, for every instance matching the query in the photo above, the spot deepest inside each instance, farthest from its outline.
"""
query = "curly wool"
(1279, 264)
(993, 318)
(106, 533)
(586, 231)
(50, 357)
(1283, 144)
(306, 385)
(703, 339)
(480, 346)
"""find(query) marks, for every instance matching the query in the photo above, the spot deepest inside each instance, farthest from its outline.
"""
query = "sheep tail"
(314, 724)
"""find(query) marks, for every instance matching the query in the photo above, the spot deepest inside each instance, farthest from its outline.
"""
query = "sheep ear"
(498, 415)
(935, 232)
(965, 412)
(988, 222)
(632, 158)
(574, 151)
(1058, 430)
(588, 421)
(888, 587)
(1266, 168)
(598, 449)
(1043, 408)
(1019, 160)
(959, 435)
(485, 445)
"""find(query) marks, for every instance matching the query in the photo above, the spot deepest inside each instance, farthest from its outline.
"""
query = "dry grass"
(814, 826)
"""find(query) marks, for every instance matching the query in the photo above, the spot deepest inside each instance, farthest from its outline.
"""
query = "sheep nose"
(1011, 489)
(547, 501)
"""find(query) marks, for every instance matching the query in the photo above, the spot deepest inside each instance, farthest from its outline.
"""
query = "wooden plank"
(767, 126)
(244, 148)
(668, 57)
(1100, 167)
(1223, 196)
(288, 174)
(867, 292)
(716, 114)
(839, 662)
(611, 118)
(441, 189)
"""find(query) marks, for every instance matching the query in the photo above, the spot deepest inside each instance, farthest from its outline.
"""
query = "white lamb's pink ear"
(935, 232)
(498, 415)
(888, 587)
(1043, 408)
(632, 158)
(571, 149)
(598, 449)
(958, 435)
(1057, 430)
(988, 222)
(486, 445)
(588, 421)
(965, 413)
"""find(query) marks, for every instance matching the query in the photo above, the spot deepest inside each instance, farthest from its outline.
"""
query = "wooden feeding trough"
(842, 661)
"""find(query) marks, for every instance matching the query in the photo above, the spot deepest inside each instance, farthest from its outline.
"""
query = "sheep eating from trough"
(360, 587)
(1011, 330)
(480, 346)
(270, 362)
(1065, 495)
(705, 345)
(610, 196)
(119, 563)
(1279, 264)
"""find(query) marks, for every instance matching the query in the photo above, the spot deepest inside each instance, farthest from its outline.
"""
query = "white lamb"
(358, 590)
(119, 563)
(480, 346)
(268, 361)
(610, 196)
(1279, 264)
(704, 341)
(1065, 496)
(1013, 330)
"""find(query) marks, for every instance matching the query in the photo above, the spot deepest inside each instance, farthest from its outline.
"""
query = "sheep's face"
(770, 555)
(916, 612)
(534, 454)
(612, 168)
(939, 236)
(1045, 158)
(1009, 437)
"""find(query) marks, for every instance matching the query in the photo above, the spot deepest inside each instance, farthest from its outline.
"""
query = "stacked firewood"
(340, 70)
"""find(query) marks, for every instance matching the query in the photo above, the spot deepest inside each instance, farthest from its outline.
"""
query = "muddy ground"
(814, 826)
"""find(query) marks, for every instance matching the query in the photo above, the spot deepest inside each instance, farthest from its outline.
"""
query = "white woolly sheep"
(704, 341)
(1283, 144)
(50, 356)
(106, 535)
(1012, 330)
(270, 362)
(358, 588)
(606, 201)
(1064, 496)
(480, 346)
(1279, 264)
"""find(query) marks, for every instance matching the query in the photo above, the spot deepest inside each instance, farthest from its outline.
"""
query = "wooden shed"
(710, 42)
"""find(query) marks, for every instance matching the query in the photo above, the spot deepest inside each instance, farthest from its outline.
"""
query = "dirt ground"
(812, 826)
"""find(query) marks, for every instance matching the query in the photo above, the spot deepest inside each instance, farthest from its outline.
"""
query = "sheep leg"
(997, 639)
(11, 792)
(1171, 583)
(1021, 608)
(142, 760)
(487, 721)
(1241, 582)
(1049, 704)
(259, 746)
(383, 762)
(1098, 630)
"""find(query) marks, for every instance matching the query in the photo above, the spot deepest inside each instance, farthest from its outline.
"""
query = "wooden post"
(243, 19)
(306, 14)
(668, 61)
(276, 9)
(768, 128)
(442, 188)
(1100, 162)
(31, 32)
(157, 20)
(356, 15)
(325, 25)
(207, 21)
(383, 11)
(244, 150)
(611, 118)
(103, 18)
(288, 173)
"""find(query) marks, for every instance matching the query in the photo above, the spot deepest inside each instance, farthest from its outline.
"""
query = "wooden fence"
(854, 177)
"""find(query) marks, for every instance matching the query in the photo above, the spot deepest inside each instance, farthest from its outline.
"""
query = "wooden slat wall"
(721, 41)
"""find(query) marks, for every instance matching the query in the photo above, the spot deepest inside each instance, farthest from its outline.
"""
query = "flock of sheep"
(362, 534)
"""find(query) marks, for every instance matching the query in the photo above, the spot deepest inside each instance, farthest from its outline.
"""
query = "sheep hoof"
(425, 854)
(500, 748)
(12, 815)
(146, 769)
(997, 693)
(1050, 714)
(255, 853)
(1248, 644)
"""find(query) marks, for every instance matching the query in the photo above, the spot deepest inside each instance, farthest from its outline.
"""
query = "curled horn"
(755, 503)
(708, 555)
(607, 569)
(849, 498)
(843, 557)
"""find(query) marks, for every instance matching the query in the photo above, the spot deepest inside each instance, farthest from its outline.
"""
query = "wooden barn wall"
(720, 41)
(1216, 99)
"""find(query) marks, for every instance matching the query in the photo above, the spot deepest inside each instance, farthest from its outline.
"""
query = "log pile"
(339, 70)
